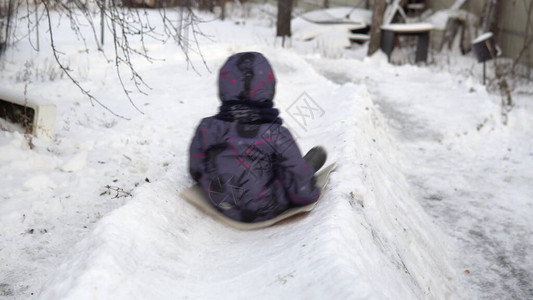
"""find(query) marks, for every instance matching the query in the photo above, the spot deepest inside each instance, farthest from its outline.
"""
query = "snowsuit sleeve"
(294, 173)
(197, 155)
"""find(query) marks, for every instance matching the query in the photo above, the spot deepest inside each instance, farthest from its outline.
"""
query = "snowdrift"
(367, 238)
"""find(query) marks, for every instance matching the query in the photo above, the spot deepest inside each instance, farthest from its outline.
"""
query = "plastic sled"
(197, 197)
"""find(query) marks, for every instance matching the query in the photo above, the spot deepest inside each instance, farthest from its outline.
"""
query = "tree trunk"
(375, 29)
(528, 42)
(222, 9)
(7, 13)
(205, 5)
(184, 3)
(326, 3)
(489, 18)
(284, 18)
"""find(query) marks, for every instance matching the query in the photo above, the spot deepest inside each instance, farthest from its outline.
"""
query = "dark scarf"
(245, 113)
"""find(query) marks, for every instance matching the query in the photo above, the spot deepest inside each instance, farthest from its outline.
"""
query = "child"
(245, 160)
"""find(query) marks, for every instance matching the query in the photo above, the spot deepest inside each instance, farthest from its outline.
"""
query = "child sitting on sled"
(244, 159)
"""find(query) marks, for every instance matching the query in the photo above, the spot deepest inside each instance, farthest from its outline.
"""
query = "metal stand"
(484, 68)
(485, 48)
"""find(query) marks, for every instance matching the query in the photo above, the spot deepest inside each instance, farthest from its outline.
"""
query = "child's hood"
(247, 77)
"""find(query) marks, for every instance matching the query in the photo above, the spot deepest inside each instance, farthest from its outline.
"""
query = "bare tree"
(378, 10)
(126, 23)
(284, 19)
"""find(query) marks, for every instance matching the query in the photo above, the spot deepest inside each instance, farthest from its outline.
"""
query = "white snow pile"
(441, 17)
(329, 29)
(96, 213)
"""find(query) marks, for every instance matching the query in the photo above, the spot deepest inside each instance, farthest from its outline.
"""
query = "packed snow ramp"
(366, 239)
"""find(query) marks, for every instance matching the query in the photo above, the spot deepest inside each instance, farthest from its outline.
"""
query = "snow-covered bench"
(421, 30)
(37, 116)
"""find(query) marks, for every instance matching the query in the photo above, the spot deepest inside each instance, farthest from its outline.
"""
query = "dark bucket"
(485, 47)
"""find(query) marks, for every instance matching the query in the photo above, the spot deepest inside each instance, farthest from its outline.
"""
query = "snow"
(330, 29)
(411, 27)
(440, 17)
(483, 37)
(466, 169)
(428, 199)
(183, 252)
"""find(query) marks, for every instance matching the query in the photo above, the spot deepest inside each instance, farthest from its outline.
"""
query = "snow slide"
(367, 238)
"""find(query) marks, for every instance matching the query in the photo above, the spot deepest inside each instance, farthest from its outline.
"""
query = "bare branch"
(126, 24)
(67, 71)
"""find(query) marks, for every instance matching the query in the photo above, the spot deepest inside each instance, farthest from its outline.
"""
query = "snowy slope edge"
(395, 227)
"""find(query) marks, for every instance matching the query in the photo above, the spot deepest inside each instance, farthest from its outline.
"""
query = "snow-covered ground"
(431, 198)
(470, 172)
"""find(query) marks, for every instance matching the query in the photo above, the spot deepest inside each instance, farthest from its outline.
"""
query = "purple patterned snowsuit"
(245, 160)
